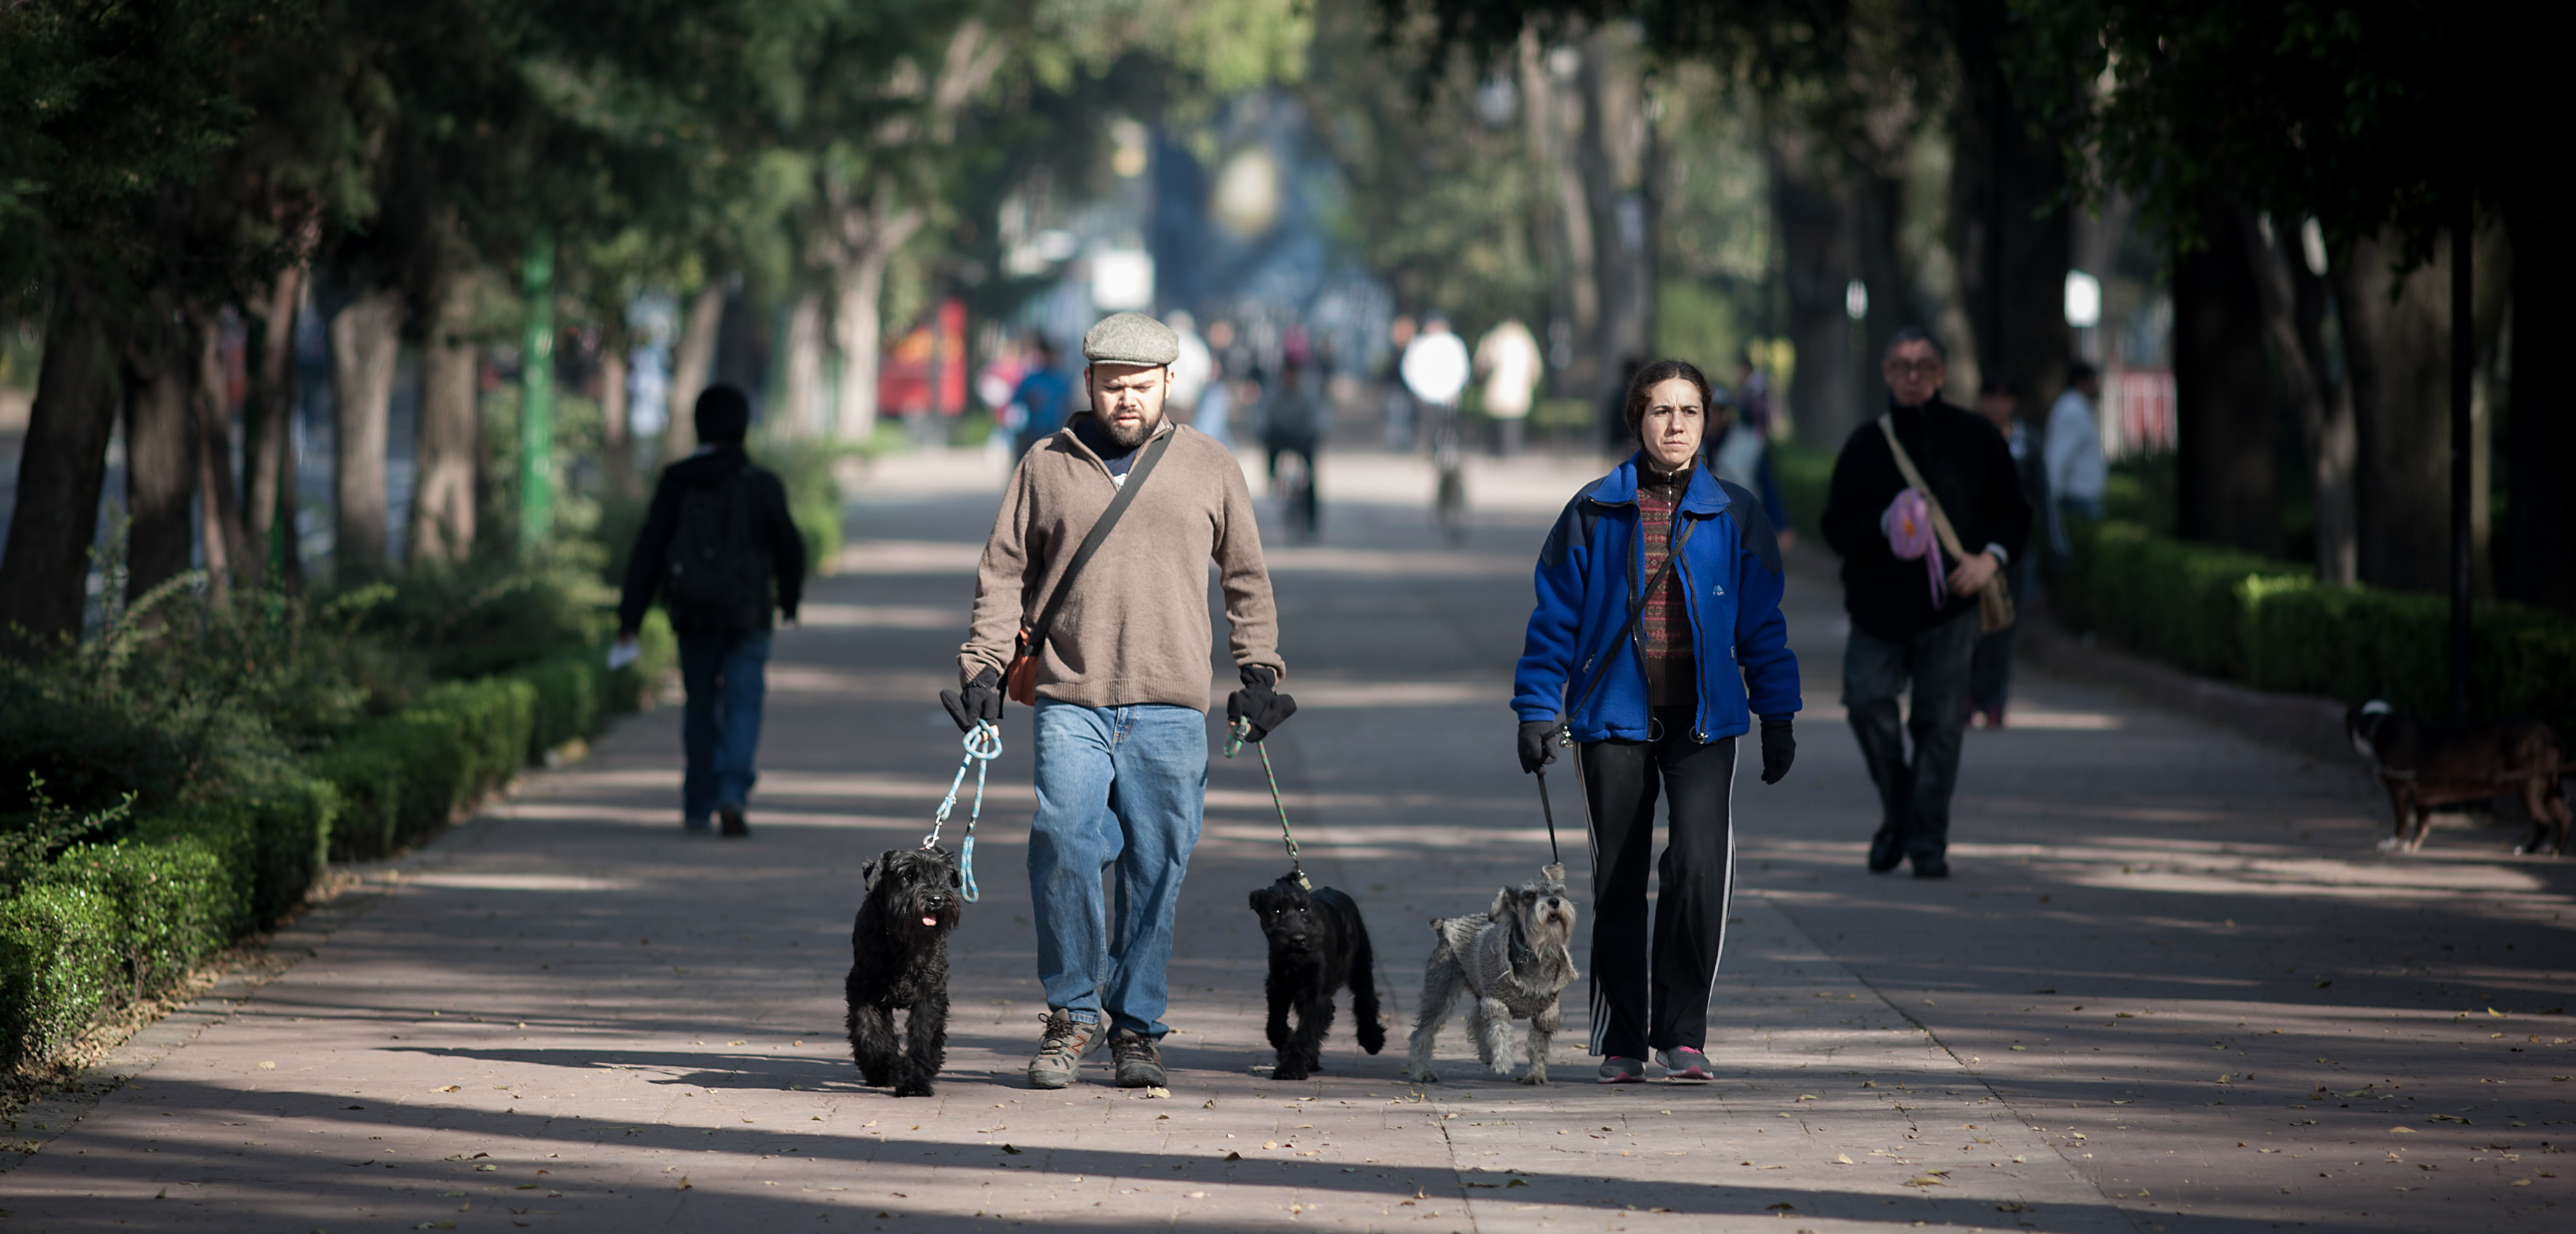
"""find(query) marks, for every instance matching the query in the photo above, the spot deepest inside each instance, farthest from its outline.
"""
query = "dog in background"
(1514, 959)
(2426, 765)
(899, 962)
(1318, 944)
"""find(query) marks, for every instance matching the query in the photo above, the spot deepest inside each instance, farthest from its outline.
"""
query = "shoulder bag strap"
(1905, 463)
(1099, 532)
(1636, 613)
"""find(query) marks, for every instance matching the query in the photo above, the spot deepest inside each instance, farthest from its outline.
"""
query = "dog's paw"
(1423, 1077)
(1288, 1073)
(913, 1088)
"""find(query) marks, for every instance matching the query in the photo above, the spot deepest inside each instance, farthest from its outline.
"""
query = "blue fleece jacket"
(1588, 578)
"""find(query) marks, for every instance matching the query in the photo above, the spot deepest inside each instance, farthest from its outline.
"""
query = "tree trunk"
(160, 450)
(691, 360)
(62, 464)
(2010, 231)
(442, 504)
(266, 429)
(2397, 350)
(1609, 163)
(2292, 323)
(1877, 219)
(2539, 535)
(1816, 261)
(870, 236)
(2222, 398)
(218, 510)
(365, 339)
(616, 426)
(798, 413)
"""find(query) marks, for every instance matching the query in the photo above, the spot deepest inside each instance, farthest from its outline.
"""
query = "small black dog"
(1318, 944)
(899, 960)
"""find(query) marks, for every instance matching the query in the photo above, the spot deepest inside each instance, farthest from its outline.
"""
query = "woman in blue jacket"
(1658, 615)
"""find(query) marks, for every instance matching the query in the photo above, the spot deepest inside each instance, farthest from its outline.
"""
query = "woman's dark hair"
(1641, 387)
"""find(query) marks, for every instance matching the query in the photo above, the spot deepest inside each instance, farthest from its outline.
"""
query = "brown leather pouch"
(1020, 678)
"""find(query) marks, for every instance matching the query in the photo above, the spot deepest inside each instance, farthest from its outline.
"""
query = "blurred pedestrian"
(1913, 621)
(1293, 423)
(1115, 659)
(1990, 672)
(2076, 473)
(1192, 368)
(720, 552)
(1509, 359)
(1043, 397)
(1658, 637)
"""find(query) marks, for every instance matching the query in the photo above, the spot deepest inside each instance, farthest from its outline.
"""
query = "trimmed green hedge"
(57, 964)
(2271, 625)
(108, 922)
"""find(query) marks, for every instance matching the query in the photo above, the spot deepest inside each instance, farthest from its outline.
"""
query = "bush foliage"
(2271, 625)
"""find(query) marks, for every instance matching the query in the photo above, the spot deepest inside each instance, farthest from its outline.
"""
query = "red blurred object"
(926, 370)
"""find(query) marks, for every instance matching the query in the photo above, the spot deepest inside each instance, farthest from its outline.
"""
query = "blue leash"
(983, 744)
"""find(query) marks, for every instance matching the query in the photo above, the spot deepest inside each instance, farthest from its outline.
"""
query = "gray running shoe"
(1059, 1056)
(1686, 1065)
(1618, 1070)
(1140, 1062)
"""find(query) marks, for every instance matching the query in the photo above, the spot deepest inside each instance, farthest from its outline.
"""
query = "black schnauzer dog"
(1318, 944)
(899, 961)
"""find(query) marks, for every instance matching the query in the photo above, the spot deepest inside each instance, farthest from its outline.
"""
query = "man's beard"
(1128, 437)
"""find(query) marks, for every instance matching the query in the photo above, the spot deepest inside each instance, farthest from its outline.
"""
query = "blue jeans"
(1122, 786)
(720, 728)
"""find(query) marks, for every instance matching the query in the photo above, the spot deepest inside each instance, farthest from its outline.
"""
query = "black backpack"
(716, 580)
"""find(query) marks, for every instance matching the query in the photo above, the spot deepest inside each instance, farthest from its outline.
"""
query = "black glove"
(980, 700)
(1779, 749)
(1258, 702)
(1538, 744)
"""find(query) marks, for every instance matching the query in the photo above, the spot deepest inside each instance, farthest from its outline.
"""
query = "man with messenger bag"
(1091, 606)
(1912, 491)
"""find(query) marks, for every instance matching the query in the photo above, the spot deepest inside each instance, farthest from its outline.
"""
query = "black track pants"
(1645, 1000)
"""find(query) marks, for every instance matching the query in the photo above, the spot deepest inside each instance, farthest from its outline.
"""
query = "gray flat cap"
(1131, 338)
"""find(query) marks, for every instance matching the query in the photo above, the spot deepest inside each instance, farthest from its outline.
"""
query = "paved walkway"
(2172, 988)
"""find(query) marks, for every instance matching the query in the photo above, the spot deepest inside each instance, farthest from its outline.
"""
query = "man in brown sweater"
(1121, 676)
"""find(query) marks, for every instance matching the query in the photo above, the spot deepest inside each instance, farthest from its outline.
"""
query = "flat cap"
(1131, 338)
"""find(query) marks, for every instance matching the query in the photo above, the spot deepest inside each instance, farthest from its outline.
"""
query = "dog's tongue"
(930, 921)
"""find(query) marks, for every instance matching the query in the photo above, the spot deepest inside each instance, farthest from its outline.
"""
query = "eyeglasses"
(1920, 368)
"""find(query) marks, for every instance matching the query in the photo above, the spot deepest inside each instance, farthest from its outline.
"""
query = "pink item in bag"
(1908, 524)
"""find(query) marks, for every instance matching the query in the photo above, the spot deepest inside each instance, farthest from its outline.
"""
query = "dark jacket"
(1729, 570)
(1970, 470)
(771, 528)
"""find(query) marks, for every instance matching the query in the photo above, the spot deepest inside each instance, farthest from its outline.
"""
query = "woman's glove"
(1538, 744)
(1259, 702)
(980, 700)
(1779, 749)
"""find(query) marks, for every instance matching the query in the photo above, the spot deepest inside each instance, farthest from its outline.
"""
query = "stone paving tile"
(567, 1015)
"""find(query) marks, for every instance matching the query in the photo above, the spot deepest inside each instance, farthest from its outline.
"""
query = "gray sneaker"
(1140, 1062)
(1618, 1069)
(1059, 1056)
(1685, 1065)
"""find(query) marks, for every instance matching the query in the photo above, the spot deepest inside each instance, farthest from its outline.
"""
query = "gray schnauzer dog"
(899, 961)
(1514, 959)
(1318, 944)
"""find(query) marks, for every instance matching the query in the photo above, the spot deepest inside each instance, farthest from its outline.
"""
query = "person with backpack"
(1091, 606)
(720, 552)
(1656, 640)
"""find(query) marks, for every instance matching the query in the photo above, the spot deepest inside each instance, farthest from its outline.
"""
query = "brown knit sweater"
(1135, 627)
(1671, 665)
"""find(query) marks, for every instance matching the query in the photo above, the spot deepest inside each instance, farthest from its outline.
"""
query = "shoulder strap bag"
(1021, 677)
(1636, 613)
(1994, 601)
